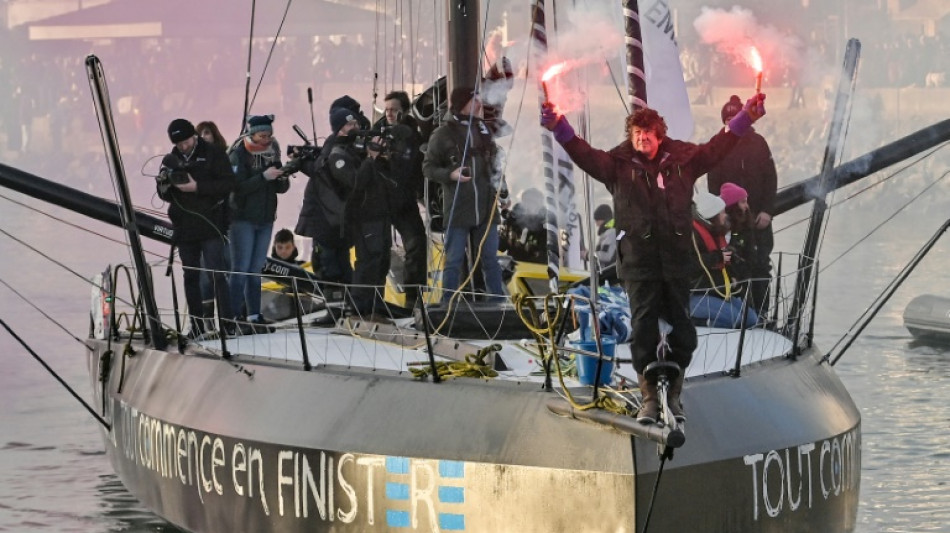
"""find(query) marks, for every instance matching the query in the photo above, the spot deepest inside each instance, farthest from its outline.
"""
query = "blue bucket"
(587, 365)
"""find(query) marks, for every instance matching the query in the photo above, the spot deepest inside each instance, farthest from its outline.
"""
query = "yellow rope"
(712, 282)
(474, 366)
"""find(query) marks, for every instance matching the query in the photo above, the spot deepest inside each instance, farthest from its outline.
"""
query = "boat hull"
(927, 318)
(213, 449)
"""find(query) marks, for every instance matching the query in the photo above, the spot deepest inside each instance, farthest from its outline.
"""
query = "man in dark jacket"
(255, 159)
(461, 156)
(751, 167)
(195, 180)
(651, 179)
(405, 163)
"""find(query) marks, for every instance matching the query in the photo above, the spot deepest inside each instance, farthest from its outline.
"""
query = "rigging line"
(886, 220)
(57, 376)
(42, 312)
(247, 73)
(412, 50)
(72, 225)
(872, 185)
(270, 54)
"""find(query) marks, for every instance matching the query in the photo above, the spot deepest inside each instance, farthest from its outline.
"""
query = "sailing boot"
(676, 405)
(649, 406)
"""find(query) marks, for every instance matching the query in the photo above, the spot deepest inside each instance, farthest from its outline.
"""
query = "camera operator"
(366, 179)
(255, 159)
(405, 162)
(324, 202)
(195, 180)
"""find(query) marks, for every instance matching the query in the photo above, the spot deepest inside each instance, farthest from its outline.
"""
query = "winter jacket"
(470, 203)
(751, 167)
(324, 201)
(203, 214)
(255, 198)
(652, 200)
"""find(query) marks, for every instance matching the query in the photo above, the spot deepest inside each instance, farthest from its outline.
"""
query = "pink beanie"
(732, 194)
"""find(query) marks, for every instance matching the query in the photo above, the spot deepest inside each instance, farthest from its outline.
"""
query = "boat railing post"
(298, 311)
(810, 336)
(743, 314)
(222, 333)
(778, 289)
(427, 327)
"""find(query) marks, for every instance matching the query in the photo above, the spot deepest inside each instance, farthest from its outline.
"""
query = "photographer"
(405, 160)
(461, 157)
(366, 178)
(195, 180)
(255, 159)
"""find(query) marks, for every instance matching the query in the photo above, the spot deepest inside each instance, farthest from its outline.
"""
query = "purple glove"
(559, 126)
(753, 110)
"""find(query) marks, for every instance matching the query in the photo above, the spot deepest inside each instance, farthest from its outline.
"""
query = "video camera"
(375, 140)
(174, 170)
(298, 154)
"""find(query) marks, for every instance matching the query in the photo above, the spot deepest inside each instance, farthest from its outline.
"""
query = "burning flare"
(755, 61)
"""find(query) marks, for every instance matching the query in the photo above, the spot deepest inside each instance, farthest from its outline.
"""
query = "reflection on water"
(121, 506)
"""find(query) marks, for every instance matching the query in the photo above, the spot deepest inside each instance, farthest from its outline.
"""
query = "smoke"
(736, 31)
(573, 45)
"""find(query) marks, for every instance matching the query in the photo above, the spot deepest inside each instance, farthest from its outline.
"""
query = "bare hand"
(461, 175)
(272, 173)
(727, 256)
(189, 186)
(762, 220)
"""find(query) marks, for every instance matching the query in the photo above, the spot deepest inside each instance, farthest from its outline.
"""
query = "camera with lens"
(379, 140)
(174, 170)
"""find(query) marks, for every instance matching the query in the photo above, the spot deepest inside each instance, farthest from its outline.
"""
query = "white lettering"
(773, 457)
(238, 466)
(346, 517)
(217, 460)
(752, 460)
(282, 479)
(422, 493)
(371, 463)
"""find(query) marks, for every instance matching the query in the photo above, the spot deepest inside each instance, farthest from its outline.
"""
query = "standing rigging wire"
(270, 54)
(375, 61)
(247, 73)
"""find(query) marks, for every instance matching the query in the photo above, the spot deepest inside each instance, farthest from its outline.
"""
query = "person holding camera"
(255, 159)
(716, 299)
(360, 166)
(196, 179)
(461, 157)
(405, 160)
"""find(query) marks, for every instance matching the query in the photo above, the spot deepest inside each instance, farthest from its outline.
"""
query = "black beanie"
(459, 97)
(603, 212)
(341, 116)
(180, 130)
(731, 109)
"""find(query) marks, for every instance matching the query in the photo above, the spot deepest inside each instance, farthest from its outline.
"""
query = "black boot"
(649, 406)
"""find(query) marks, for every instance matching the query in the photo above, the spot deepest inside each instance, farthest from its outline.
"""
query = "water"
(55, 477)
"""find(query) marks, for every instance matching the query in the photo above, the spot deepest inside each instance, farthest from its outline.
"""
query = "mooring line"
(55, 375)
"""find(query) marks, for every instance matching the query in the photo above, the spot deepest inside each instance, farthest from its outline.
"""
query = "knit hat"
(347, 102)
(708, 205)
(180, 130)
(459, 97)
(603, 212)
(339, 117)
(731, 109)
(732, 194)
(259, 123)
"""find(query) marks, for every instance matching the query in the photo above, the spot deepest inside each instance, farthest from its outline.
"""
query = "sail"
(665, 85)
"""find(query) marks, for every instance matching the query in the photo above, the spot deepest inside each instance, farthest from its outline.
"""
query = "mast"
(636, 75)
(100, 94)
(539, 36)
(464, 42)
(835, 141)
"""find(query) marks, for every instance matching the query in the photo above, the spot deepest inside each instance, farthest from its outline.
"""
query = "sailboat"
(332, 428)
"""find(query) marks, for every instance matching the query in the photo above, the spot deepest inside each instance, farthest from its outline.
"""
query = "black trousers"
(408, 222)
(373, 240)
(650, 301)
(208, 254)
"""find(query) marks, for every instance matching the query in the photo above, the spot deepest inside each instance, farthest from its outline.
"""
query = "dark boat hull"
(927, 317)
(777, 449)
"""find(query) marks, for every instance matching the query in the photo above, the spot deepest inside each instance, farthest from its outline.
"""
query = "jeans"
(249, 244)
(209, 252)
(719, 313)
(456, 241)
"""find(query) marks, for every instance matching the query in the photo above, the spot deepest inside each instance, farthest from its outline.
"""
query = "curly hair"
(646, 119)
